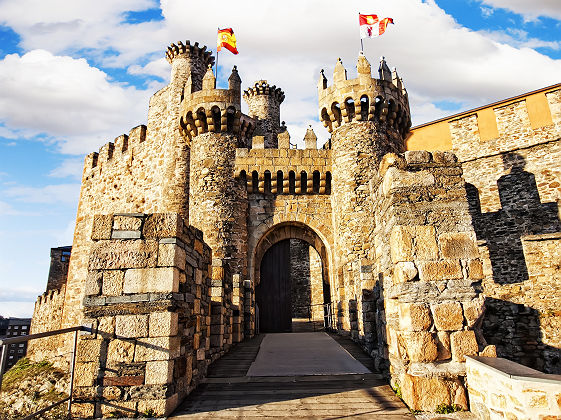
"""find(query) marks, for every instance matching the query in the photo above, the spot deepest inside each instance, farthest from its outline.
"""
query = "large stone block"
(421, 346)
(463, 343)
(159, 372)
(112, 283)
(93, 283)
(473, 310)
(163, 324)
(439, 270)
(414, 317)
(88, 350)
(131, 326)
(425, 243)
(401, 244)
(405, 271)
(458, 245)
(171, 255)
(163, 225)
(443, 345)
(85, 373)
(163, 279)
(121, 222)
(102, 224)
(120, 351)
(425, 394)
(448, 316)
(111, 255)
(157, 348)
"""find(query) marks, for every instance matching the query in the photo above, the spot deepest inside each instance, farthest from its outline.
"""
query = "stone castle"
(193, 232)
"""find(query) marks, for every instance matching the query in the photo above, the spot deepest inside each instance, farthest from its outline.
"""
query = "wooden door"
(273, 295)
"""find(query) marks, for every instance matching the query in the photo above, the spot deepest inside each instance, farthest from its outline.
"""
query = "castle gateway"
(204, 226)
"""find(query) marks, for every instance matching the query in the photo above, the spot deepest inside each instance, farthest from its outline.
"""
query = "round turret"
(188, 61)
(383, 101)
(264, 105)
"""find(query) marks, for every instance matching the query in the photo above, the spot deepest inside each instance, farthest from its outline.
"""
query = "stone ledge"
(513, 370)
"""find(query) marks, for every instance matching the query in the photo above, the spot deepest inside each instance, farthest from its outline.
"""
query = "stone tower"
(188, 66)
(211, 119)
(264, 105)
(367, 118)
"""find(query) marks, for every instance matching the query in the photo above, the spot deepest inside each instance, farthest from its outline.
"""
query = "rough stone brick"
(163, 324)
(443, 345)
(489, 351)
(85, 373)
(473, 311)
(113, 283)
(475, 269)
(439, 270)
(131, 326)
(421, 346)
(448, 316)
(127, 222)
(93, 283)
(456, 245)
(162, 279)
(159, 372)
(463, 343)
(162, 225)
(102, 226)
(111, 255)
(401, 244)
(157, 348)
(414, 317)
(120, 351)
(425, 243)
(424, 394)
(88, 350)
(171, 255)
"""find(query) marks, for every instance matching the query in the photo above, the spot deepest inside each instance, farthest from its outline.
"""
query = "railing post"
(3, 362)
(72, 373)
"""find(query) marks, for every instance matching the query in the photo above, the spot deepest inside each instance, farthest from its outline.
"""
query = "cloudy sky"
(75, 74)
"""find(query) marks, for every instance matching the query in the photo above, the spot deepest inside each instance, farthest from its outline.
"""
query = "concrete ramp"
(316, 353)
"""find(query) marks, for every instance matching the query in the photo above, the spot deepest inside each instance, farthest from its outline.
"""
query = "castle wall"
(58, 270)
(514, 187)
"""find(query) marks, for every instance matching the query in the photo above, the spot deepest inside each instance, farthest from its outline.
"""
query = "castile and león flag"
(371, 26)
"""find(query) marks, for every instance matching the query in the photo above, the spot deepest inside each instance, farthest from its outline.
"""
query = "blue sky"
(76, 74)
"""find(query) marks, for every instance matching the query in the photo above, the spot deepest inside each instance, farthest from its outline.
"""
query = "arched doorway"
(291, 277)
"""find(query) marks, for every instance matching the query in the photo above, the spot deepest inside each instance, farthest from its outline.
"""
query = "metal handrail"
(23, 338)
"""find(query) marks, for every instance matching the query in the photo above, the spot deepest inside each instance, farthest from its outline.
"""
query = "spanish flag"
(226, 39)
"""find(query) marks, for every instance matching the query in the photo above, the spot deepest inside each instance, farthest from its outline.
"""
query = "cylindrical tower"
(264, 105)
(367, 118)
(211, 119)
(188, 66)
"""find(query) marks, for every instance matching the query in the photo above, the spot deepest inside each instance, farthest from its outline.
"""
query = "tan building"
(203, 226)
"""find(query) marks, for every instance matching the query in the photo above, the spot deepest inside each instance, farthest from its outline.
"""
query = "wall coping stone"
(513, 370)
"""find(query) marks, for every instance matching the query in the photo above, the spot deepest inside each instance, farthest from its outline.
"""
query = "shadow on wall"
(522, 213)
(516, 329)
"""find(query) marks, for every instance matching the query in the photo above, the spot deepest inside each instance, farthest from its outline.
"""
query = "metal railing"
(326, 319)
(4, 343)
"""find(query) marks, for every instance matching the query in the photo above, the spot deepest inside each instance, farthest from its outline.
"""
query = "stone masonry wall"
(58, 270)
(430, 275)
(514, 189)
(147, 297)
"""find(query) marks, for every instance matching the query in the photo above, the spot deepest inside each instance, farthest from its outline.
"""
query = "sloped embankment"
(28, 387)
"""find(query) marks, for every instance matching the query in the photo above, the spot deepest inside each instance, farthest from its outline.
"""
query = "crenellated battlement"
(285, 171)
(365, 98)
(261, 87)
(176, 50)
(116, 150)
(215, 110)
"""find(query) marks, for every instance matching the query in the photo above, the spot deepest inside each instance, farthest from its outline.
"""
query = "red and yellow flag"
(226, 39)
(371, 26)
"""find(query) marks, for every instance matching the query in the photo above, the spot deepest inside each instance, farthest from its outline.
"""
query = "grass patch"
(23, 370)
(447, 408)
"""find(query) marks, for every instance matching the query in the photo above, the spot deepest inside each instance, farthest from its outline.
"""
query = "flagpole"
(216, 70)
(360, 36)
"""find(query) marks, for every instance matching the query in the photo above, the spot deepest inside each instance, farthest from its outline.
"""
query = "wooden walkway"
(228, 393)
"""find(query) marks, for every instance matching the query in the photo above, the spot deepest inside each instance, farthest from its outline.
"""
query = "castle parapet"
(365, 98)
(175, 50)
(215, 110)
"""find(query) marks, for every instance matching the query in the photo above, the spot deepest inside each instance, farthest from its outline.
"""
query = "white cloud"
(18, 309)
(529, 9)
(518, 38)
(69, 168)
(66, 98)
(50, 194)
